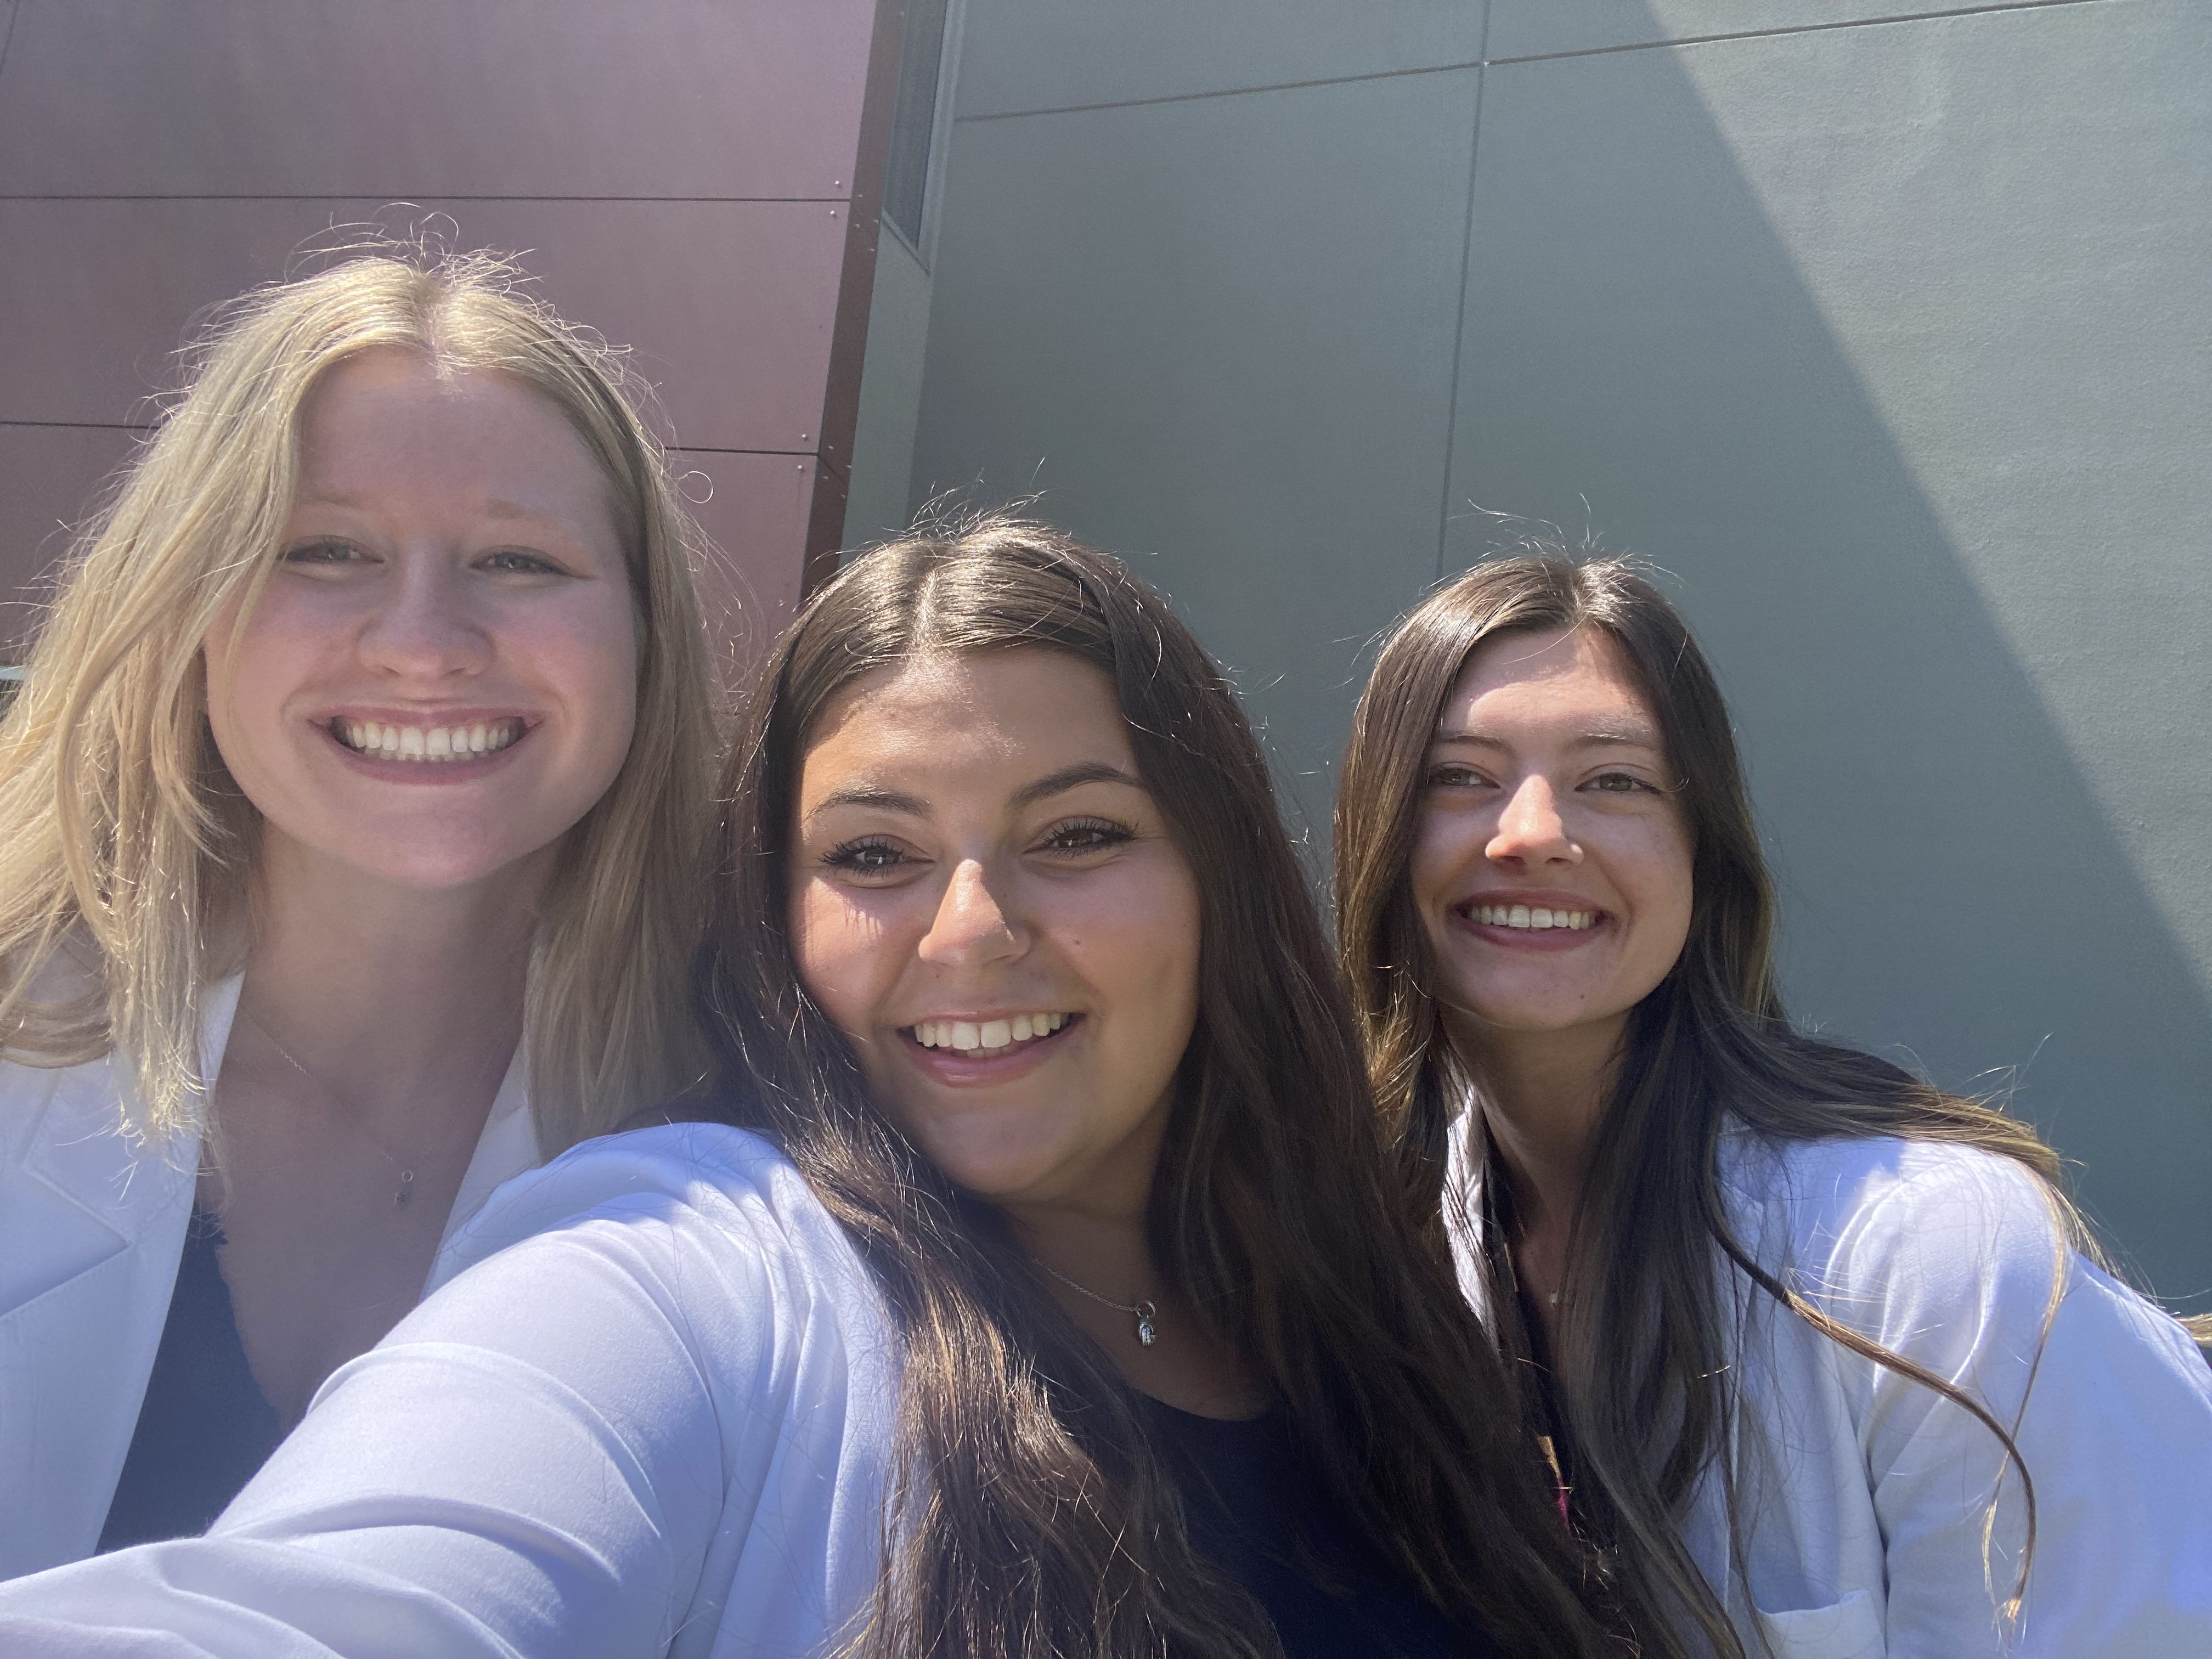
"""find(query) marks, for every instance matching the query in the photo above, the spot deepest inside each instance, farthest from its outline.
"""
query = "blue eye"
(514, 561)
(322, 553)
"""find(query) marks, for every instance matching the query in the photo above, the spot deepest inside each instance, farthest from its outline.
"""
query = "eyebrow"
(1629, 737)
(882, 800)
(495, 509)
(1072, 777)
(1053, 783)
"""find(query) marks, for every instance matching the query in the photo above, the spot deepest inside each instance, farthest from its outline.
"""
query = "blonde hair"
(124, 844)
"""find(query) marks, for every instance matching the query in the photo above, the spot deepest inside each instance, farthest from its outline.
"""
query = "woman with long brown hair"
(1816, 1348)
(1047, 1292)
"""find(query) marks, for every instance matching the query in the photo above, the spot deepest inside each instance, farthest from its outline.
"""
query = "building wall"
(1886, 330)
(694, 178)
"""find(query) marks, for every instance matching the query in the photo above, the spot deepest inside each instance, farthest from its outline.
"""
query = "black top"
(205, 1426)
(1255, 1509)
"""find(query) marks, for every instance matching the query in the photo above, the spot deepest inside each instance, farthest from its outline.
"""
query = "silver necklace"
(405, 1195)
(1144, 1312)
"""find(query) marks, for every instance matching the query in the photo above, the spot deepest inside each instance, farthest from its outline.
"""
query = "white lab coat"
(92, 1228)
(654, 1417)
(1862, 1494)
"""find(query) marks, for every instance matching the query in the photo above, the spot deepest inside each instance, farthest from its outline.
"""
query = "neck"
(1543, 1094)
(1108, 1255)
(397, 1000)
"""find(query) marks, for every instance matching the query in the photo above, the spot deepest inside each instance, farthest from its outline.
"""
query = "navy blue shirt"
(1253, 1509)
(205, 1426)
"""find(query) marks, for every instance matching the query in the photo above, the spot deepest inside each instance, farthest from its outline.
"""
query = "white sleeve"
(557, 1456)
(1953, 1267)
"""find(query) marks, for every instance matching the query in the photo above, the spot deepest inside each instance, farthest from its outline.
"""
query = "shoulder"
(1839, 1203)
(667, 1191)
(1942, 1251)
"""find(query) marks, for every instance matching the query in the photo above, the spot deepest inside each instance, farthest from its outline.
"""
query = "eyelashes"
(1087, 836)
(878, 856)
(868, 855)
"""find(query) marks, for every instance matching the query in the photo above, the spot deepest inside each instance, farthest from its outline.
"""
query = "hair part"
(1648, 1393)
(127, 851)
(1031, 1516)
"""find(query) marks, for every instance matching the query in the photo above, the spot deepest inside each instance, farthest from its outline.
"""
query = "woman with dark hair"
(1820, 1353)
(1054, 1297)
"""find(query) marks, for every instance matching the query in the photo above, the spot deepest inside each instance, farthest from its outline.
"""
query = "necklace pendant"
(405, 1195)
(1146, 1333)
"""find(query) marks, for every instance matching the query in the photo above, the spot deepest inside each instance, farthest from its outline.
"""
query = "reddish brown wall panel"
(47, 476)
(680, 174)
(617, 98)
(728, 305)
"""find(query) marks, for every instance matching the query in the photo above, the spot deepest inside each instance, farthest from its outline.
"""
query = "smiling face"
(440, 678)
(985, 899)
(1552, 864)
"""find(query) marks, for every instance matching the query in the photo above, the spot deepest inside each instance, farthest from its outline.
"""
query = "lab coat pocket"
(1849, 1629)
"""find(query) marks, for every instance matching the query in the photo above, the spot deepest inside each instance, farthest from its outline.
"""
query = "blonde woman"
(348, 816)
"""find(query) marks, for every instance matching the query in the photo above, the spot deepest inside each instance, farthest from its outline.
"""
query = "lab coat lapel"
(92, 1226)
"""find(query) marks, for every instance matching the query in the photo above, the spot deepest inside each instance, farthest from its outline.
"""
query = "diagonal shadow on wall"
(1640, 334)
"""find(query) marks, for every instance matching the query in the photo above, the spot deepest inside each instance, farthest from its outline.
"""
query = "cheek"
(249, 672)
(1444, 842)
(1663, 895)
(594, 658)
(842, 952)
(1137, 943)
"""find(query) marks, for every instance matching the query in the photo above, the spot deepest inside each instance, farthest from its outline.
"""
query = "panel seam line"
(1480, 63)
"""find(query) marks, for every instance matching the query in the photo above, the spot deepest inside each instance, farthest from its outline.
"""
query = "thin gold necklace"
(1144, 1312)
(405, 1195)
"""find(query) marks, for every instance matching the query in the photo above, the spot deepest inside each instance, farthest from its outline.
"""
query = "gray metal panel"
(1218, 333)
(728, 305)
(890, 397)
(1895, 345)
(667, 98)
(1048, 54)
(1523, 28)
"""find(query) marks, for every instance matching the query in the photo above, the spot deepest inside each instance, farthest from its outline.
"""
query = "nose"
(1530, 828)
(971, 928)
(421, 628)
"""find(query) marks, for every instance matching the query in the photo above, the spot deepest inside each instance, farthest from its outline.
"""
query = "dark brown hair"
(1649, 1392)
(1031, 1516)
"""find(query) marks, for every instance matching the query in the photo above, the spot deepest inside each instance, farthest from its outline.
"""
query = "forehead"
(1570, 676)
(388, 412)
(946, 717)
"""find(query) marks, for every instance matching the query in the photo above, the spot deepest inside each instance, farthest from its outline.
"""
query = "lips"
(984, 1047)
(1532, 920)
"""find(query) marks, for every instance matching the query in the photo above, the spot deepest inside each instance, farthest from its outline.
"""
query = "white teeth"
(1533, 917)
(966, 1035)
(425, 742)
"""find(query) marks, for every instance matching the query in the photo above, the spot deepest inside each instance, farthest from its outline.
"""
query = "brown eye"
(866, 858)
(1622, 783)
(1089, 835)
